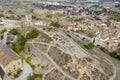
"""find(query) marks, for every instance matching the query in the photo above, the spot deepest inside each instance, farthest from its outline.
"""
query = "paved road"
(27, 70)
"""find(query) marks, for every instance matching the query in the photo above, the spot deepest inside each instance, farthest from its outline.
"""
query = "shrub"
(28, 60)
(32, 34)
(21, 40)
(55, 24)
(13, 31)
(33, 77)
(90, 45)
(17, 48)
(17, 73)
(48, 15)
(104, 49)
(2, 31)
(1, 15)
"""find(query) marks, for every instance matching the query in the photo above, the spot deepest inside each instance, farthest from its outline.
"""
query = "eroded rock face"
(63, 59)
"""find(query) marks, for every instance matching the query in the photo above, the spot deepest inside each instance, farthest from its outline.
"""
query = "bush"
(17, 73)
(90, 34)
(48, 15)
(13, 31)
(98, 12)
(1, 15)
(55, 24)
(2, 31)
(90, 46)
(104, 49)
(17, 48)
(32, 34)
(33, 77)
(21, 40)
(28, 60)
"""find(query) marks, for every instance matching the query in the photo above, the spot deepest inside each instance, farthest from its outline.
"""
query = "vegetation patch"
(35, 76)
(21, 40)
(17, 48)
(28, 60)
(90, 46)
(13, 31)
(49, 15)
(32, 34)
(55, 24)
(17, 74)
(2, 31)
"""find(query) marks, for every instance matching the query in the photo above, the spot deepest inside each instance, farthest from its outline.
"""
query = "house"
(40, 23)
(72, 27)
(10, 62)
(75, 28)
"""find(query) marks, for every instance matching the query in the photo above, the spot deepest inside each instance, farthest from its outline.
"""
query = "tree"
(13, 31)
(32, 34)
(21, 40)
(17, 48)
(90, 45)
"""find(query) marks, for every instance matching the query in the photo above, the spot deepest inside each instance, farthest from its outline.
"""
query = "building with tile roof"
(10, 62)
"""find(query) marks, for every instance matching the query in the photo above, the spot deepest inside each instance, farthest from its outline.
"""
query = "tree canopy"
(32, 34)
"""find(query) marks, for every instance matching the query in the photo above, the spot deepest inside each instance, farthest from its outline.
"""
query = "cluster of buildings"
(10, 62)
(106, 34)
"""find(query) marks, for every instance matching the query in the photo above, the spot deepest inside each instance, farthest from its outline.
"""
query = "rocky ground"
(58, 57)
